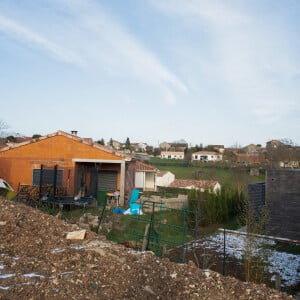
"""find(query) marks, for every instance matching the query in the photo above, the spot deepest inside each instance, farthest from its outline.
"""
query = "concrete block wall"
(283, 202)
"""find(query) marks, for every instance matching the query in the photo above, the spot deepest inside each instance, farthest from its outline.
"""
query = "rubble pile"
(38, 261)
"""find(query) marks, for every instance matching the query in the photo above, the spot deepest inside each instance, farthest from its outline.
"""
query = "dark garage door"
(107, 181)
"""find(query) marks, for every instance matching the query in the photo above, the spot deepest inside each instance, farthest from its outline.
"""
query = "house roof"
(86, 141)
(161, 173)
(140, 166)
(216, 146)
(206, 153)
(172, 152)
(190, 183)
(178, 144)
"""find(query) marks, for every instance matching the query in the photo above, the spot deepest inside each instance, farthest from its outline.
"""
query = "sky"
(208, 72)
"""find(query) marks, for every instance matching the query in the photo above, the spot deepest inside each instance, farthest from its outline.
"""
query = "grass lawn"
(225, 176)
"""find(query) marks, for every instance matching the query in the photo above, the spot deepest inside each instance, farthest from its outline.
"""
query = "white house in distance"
(172, 155)
(207, 156)
(164, 178)
(202, 185)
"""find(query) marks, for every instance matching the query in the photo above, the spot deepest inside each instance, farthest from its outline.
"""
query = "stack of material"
(31, 194)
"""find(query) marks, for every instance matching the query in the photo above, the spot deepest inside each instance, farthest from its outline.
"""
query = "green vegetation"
(71, 213)
(166, 229)
(256, 221)
(8, 194)
(286, 247)
(210, 208)
(233, 177)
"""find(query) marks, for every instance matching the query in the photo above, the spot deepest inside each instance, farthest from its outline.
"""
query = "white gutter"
(92, 160)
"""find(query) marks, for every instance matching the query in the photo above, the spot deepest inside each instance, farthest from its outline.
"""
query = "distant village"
(71, 165)
(275, 154)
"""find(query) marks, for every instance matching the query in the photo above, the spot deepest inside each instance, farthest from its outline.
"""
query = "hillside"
(38, 262)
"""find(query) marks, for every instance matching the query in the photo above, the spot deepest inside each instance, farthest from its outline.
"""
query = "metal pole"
(54, 180)
(41, 181)
(183, 237)
(151, 225)
(224, 251)
(101, 216)
(159, 225)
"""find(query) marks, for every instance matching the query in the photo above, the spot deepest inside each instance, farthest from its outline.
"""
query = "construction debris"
(38, 262)
(76, 235)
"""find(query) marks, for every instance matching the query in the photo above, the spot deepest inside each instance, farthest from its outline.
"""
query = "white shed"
(164, 178)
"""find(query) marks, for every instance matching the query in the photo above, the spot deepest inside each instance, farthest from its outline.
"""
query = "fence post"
(183, 237)
(159, 225)
(151, 229)
(224, 251)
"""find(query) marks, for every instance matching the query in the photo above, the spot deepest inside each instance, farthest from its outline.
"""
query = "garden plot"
(287, 265)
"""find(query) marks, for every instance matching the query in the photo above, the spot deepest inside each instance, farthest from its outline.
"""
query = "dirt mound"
(37, 261)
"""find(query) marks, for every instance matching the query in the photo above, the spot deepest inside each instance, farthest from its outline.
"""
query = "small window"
(48, 177)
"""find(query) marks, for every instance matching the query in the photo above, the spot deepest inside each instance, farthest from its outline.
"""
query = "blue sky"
(210, 72)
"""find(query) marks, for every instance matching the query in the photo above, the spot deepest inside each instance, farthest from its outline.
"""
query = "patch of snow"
(30, 275)
(66, 273)
(4, 287)
(58, 250)
(286, 264)
(78, 247)
(6, 276)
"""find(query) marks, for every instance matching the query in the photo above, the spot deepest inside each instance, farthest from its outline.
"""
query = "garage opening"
(107, 181)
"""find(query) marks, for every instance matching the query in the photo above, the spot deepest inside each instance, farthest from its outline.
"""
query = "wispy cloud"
(253, 57)
(128, 51)
(216, 12)
(92, 38)
(27, 35)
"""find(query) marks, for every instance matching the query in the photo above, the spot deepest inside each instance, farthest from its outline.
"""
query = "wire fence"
(160, 229)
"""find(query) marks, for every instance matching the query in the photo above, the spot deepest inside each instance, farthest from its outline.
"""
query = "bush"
(209, 208)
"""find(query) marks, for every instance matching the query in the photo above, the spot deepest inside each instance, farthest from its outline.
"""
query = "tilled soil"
(38, 262)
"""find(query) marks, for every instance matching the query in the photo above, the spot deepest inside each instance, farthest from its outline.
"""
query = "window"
(48, 177)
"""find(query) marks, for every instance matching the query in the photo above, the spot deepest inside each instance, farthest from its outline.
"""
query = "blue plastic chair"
(134, 196)
(135, 208)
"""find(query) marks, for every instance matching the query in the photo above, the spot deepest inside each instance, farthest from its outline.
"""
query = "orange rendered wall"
(16, 164)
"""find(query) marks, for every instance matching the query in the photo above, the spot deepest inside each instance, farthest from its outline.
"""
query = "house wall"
(17, 164)
(165, 180)
(283, 202)
(217, 187)
(139, 180)
(180, 202)
(257, 198)
(145, 181)
(150, 181)
(172, 155)
(164, 146)
(249, 158)
(206, 157)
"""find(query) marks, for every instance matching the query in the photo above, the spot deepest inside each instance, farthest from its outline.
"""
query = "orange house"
(76, 163)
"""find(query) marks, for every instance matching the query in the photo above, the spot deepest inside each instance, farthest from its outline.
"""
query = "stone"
(76, 235)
